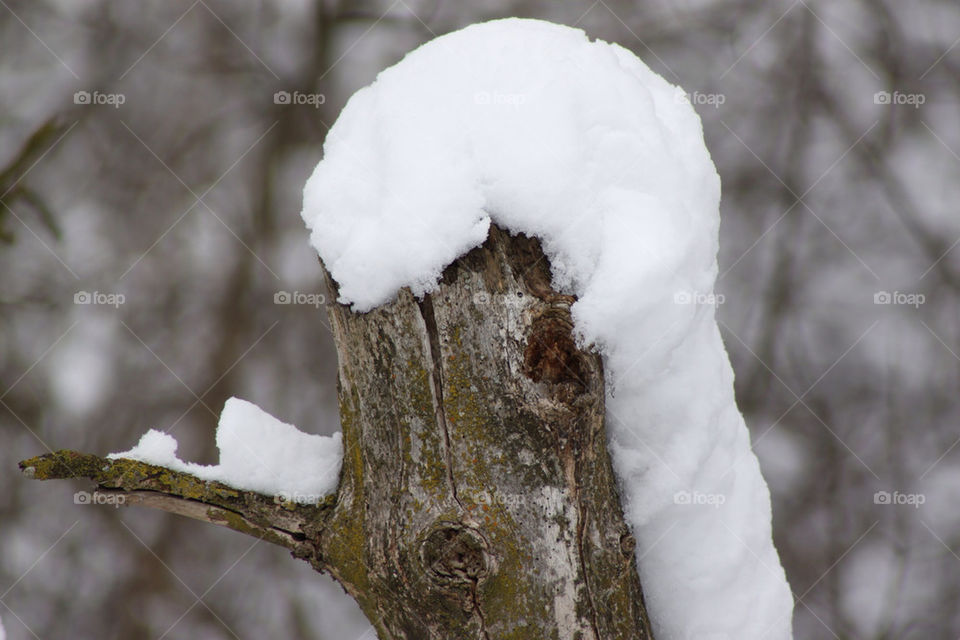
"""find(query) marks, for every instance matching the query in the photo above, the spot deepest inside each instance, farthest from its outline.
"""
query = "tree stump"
(476, 496)
(477, 499)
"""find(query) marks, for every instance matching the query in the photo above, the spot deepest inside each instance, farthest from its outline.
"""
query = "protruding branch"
(129, 482)
(44, 138)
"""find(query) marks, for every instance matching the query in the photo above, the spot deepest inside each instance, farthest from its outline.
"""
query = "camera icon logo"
(81, 97)
(881, 497)
(281, 97)
(82, 497)
(881, 97)
(82, 297)
(682, 497)
(282, 297)
(882, 297)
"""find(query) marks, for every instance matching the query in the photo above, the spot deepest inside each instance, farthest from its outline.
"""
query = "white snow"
(532, 126)
(258, 453)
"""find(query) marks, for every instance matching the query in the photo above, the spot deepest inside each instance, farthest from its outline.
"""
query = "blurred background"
(152, 156)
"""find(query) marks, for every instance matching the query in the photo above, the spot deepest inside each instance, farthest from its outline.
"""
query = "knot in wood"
(454, 554)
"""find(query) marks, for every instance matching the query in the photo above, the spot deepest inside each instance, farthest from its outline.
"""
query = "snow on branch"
(130, 482)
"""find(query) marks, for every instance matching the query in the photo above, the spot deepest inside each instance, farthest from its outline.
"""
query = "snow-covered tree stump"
(476, 497)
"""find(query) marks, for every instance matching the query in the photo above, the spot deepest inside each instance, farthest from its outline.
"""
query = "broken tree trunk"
(476, 497)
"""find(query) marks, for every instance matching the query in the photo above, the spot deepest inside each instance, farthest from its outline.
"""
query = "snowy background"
(152, 158)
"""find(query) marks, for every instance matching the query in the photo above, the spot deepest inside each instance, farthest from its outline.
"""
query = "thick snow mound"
(534, 127)
(257, 453)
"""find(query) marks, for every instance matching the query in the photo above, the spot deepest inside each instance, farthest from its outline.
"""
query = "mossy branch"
(129, 482)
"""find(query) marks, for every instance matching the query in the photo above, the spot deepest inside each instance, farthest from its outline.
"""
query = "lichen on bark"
(283, 523)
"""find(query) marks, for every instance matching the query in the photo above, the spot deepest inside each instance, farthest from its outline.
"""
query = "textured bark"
(129, 482)
(476, 497)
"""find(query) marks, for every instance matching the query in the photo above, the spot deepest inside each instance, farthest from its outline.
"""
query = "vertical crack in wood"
(475, 594)
(436, 381)
(581, 527)
(436, 384)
